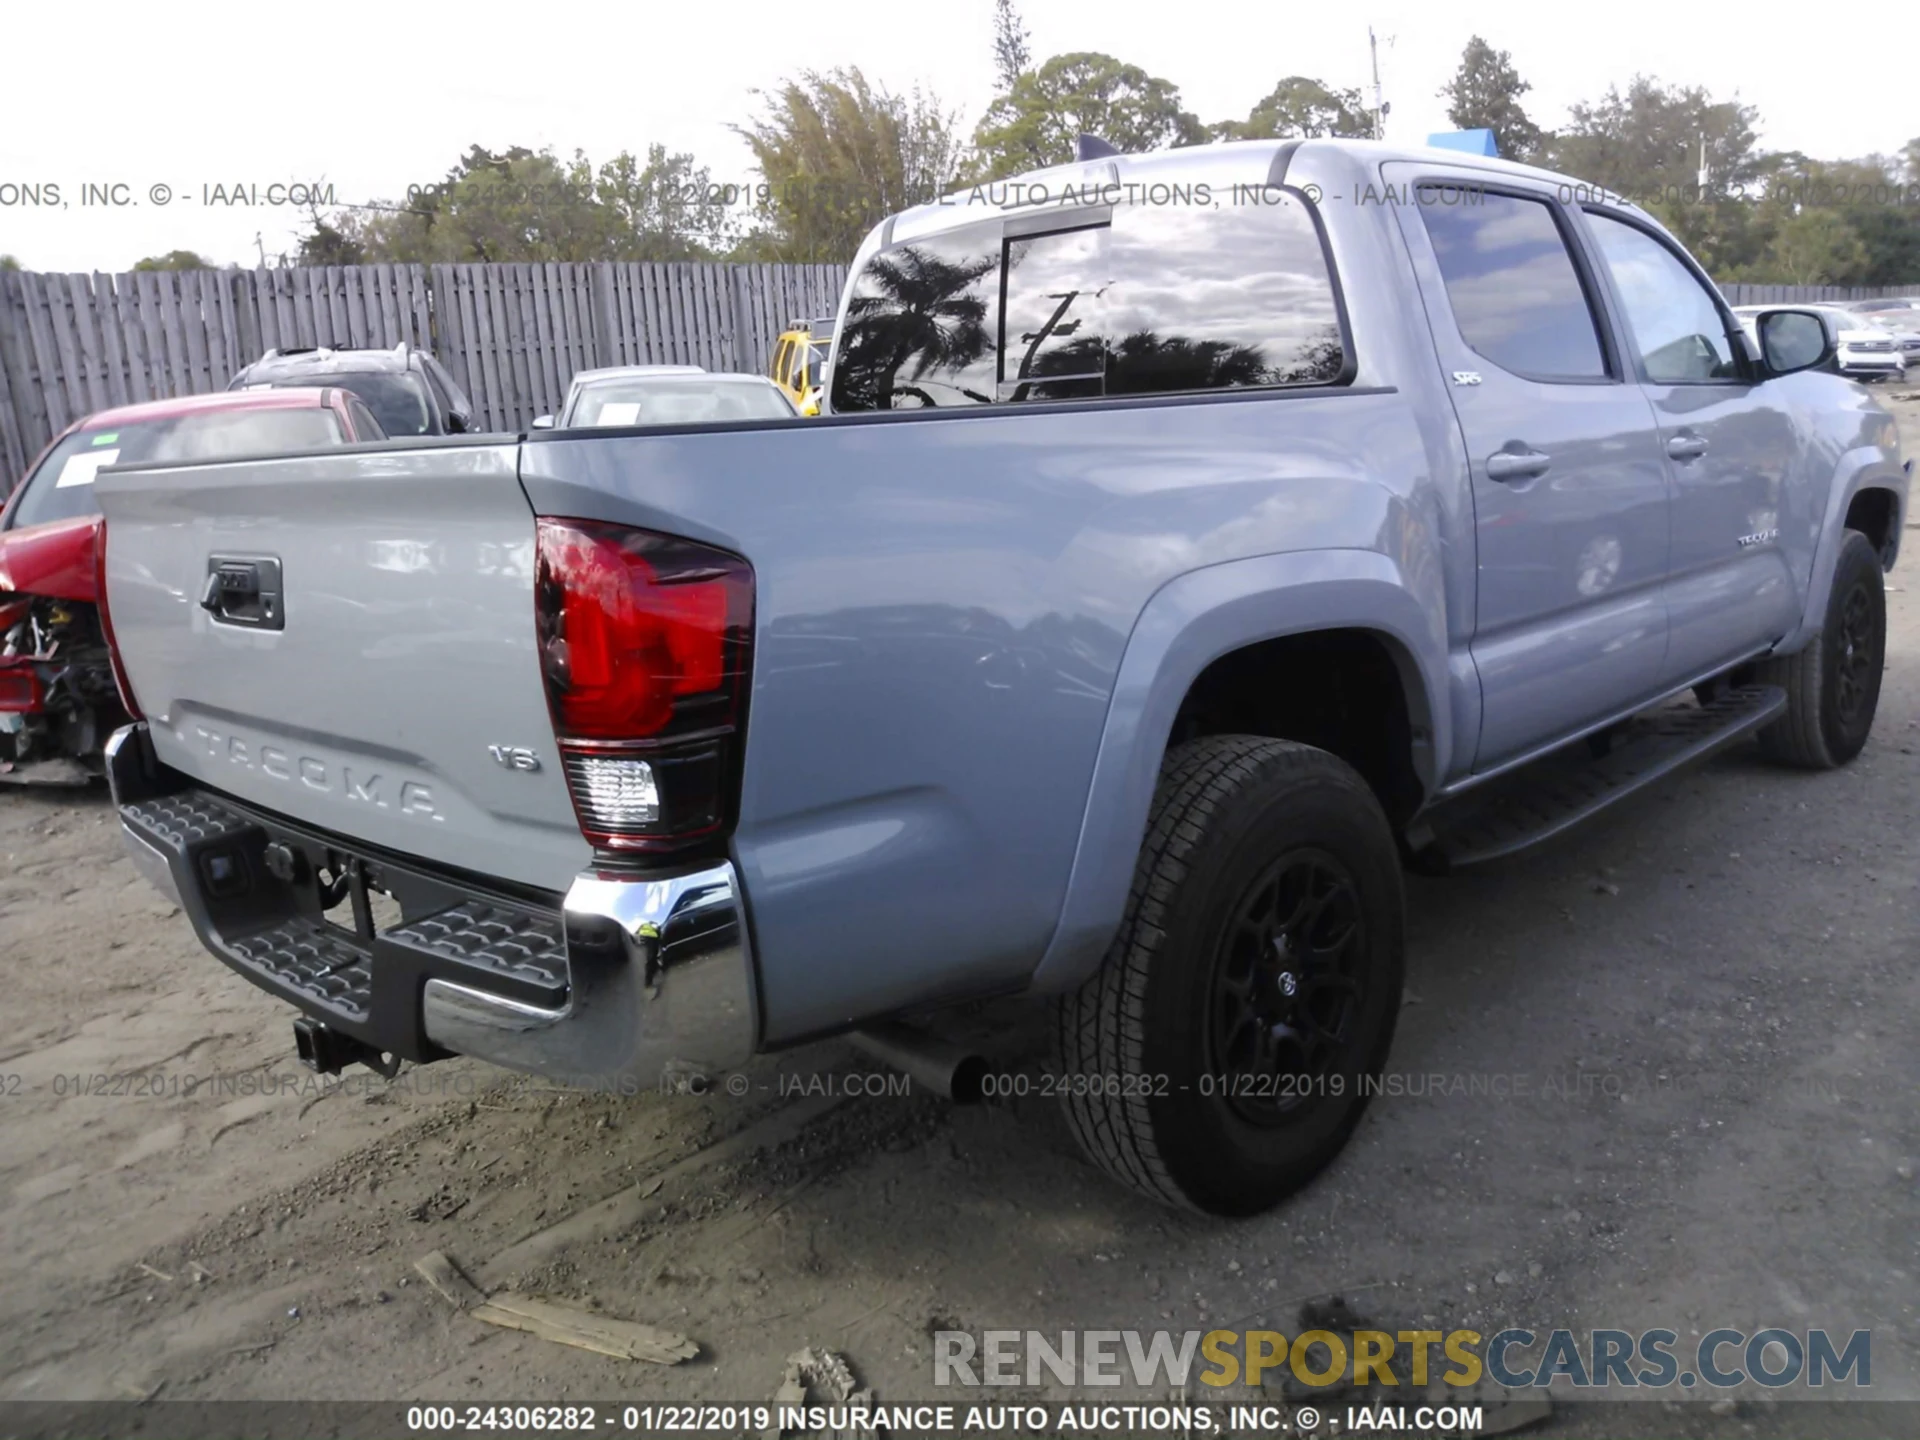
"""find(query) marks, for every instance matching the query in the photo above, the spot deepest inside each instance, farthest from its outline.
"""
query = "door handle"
(1506, 466)
(1687, 447)
(242, 590)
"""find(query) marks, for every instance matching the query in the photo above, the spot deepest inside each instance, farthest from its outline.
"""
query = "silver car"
(1864, 350)
(1900, 319)
(583, 378)
(667, 395)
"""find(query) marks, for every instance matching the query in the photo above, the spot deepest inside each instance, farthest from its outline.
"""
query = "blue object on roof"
(1474, 142)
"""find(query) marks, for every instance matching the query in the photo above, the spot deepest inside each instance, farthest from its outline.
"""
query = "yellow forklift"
(800, 361)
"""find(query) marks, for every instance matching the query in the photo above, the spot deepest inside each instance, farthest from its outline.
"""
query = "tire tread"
(1799, 737)
(1100, 1029)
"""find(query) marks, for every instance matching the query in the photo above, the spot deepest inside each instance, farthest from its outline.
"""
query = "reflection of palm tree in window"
(1146, 363)
(915, 314)
(1318, 361)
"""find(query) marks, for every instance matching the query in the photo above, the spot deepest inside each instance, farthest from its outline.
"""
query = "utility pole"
(1705, 175)
(1380, 107)
(261, 247)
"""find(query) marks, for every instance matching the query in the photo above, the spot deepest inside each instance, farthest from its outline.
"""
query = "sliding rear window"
(1161, 300)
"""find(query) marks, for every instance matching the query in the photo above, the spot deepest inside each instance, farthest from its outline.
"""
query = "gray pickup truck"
(1197, 540)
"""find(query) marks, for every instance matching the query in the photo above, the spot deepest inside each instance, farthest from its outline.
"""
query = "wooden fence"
(512, 334)
(1741, 294)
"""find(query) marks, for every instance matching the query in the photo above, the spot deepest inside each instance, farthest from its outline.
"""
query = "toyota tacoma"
(1195, 542)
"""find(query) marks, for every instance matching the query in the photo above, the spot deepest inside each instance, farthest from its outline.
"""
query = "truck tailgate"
(402, 657)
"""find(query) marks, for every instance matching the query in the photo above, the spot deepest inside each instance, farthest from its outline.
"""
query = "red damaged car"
(58, 696)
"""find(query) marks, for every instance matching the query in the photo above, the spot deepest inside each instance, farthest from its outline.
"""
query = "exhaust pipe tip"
(953, 1071)
(967, 1085)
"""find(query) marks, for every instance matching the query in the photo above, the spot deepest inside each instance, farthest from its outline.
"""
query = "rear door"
(1569, 485)
(385, 647)
(1730, 445)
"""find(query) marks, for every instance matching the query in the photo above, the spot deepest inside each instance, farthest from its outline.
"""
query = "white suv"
(1867, 352)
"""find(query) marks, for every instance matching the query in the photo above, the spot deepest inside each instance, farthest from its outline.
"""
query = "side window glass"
(219, 435)
(1511, 284)
(1217, 299)
(442, 401)
(365, 427)
(1172, 298)
(921, 325)
(1677, 328)
(450, 387)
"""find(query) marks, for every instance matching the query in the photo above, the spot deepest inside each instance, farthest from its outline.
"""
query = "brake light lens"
(19, 691)
(120, 680)
(644, 647)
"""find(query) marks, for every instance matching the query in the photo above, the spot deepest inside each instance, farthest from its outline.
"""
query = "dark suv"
(408, 390)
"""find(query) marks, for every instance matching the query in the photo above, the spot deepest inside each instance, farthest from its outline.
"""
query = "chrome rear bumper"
(631, 978)
(659, 982)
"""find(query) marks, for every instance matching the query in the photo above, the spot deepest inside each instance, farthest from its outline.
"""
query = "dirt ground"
(1703, 1005)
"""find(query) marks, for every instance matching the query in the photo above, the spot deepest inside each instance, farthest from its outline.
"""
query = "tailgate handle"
(244, 590)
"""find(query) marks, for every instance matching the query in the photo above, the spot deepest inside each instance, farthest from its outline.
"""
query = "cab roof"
(1248, 162)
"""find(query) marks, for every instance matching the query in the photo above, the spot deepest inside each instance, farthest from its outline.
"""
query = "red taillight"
(120, 681)
(19, 690)
(644, 644)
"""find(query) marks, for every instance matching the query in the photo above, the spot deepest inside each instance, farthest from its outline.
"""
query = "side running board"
(1559, 791)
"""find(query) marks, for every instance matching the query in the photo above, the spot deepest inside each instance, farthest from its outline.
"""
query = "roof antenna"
(1092, 147)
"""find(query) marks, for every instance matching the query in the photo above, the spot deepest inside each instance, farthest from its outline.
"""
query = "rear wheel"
(1224, 1051)
(1833, 683)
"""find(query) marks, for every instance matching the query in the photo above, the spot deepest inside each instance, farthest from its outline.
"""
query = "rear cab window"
(1140, 299)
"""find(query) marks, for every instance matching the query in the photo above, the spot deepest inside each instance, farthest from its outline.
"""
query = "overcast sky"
(370, 97)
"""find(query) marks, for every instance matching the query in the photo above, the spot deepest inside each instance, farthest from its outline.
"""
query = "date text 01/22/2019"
(1017, 1084)
(912, 1418)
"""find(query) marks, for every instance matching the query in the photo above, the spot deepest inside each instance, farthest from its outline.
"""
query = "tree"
(1300, 106)
(668, 209)
(1814, 247)
(1012, 56)
(524, 205)
(329, 244)
(175, 260)
(7, 262)
(1484, 94)
(1037, 121)
(1829, 218)
(1647, 144)
(1910, 158)
(838, 156)
(516, 205)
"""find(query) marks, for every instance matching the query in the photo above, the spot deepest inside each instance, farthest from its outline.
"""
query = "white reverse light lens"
(617, 794)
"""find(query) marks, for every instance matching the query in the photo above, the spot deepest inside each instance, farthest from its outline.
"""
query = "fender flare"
(1865, 468)
(1188, 624)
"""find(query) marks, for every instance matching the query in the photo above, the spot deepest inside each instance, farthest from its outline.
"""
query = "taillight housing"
(120, 680)
(645, 643)
(19, 690)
